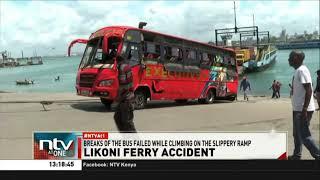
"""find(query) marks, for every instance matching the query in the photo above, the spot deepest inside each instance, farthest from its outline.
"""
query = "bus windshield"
(94, 57)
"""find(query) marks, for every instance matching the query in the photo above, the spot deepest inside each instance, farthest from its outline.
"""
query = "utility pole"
(253, 23)
(216, 34)
(253, 19)
(235, 17)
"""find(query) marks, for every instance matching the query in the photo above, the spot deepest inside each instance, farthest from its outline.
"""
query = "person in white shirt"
(303, 107)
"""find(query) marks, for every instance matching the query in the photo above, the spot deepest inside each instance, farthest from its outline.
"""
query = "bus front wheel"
(233, 98)
(106, 102)
(140, 100)
(209, 99)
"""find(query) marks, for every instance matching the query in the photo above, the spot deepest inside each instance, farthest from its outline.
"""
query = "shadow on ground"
(90, 107)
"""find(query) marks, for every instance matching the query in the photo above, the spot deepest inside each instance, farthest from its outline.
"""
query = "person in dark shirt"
(124, 112)
(273, 87)
(245, 86)
(277, 89)
(317, 89)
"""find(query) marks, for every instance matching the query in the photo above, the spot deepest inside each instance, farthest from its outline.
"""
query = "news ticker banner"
(149, 151)
(160, 146)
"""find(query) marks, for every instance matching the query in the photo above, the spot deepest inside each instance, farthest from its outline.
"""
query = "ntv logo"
(54, 148)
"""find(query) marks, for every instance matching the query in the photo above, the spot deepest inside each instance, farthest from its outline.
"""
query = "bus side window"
(133, 54)
(151, 53)
(173, 59)
(199, 56)
(191, 58)
(167, 54)
(177, 55)
(211, 59)
(206, 60)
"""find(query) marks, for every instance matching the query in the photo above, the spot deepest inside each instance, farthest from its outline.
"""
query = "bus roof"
(126, 28)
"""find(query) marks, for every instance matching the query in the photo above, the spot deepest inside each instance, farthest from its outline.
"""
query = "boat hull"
(255, 68)
(24, 82)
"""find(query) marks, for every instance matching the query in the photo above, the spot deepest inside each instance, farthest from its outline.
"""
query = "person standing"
(245, 85)
(124, 112)
(317, 89)
(273, 87)
(303, 107)
(277, 89)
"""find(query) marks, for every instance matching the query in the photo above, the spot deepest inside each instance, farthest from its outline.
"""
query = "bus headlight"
(105, 83)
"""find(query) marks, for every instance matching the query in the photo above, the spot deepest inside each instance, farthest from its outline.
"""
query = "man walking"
(245, 85)
(303, 107)
(124, 112)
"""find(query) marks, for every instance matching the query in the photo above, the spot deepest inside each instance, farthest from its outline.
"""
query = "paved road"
(18, 119)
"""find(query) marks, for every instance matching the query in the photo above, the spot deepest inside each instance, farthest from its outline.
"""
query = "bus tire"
(210, 97)
(181, 101)
(140, 100)
(106, 102)
(233, 98)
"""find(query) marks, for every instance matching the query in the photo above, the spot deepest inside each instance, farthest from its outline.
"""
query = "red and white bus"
(165, 67)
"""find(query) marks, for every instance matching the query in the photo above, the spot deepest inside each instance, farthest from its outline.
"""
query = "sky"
(49, 26)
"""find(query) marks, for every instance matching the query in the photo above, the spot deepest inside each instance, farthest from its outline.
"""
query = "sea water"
(66, 67)
(282, 72)
(43, 75)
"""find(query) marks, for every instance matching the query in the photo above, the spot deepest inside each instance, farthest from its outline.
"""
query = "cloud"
(36, 25)
(292, 16)
(42, 25)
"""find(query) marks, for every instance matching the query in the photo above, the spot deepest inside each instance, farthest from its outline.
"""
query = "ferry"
(8, 61)
(266, 56)
(250, 58)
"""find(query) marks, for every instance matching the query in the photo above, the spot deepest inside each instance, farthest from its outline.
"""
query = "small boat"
(57, 78)
(24, 82)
